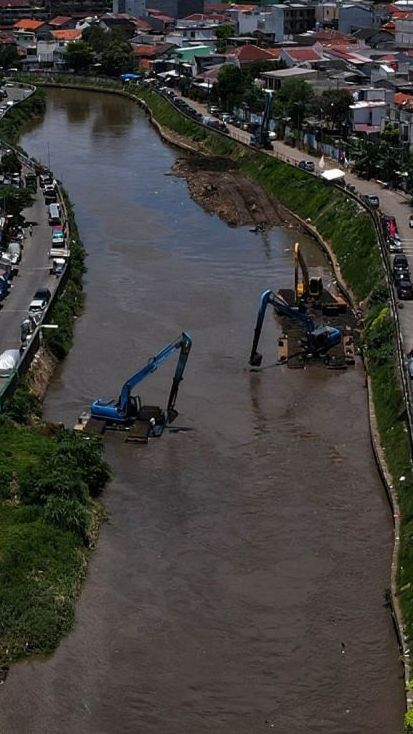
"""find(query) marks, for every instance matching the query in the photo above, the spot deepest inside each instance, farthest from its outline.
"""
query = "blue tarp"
(127, 77)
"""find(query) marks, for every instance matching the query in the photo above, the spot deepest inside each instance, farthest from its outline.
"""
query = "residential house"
(50, 51)
(325, 38)
(286, 19)
(61, 22)
(189, 32)
(308, 56)
(369, 111)
(249, 53)
(356, 15)
(134, 8)
(10, 10)
(178, 8)
(326, 14)
(273, 80)
(121, 23)
(404, 31)
(28, 25)
(160, 22)
(401, 117)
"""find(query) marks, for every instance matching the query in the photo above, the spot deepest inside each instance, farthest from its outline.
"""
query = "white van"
(8, 362)
(54, 214)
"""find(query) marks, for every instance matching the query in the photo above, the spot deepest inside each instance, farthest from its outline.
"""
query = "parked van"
(54, 214)
(9, 360)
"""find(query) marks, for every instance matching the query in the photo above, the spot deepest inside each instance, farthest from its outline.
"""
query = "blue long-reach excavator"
(127, 408)
(319, 339)
(260, 137)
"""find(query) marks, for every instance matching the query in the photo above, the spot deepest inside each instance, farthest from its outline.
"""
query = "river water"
(239, 555)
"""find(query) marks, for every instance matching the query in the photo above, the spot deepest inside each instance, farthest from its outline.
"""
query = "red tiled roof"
(164, 18)
(59, 20)
(402, 15)
(220, 17)
(144, 50)
(71, 34)
(27, 24)
(328, 37)
(303, 54)
(404, 100)
(249, 52)
(142, 24)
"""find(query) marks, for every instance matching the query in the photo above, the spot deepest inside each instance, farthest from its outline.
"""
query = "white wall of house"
(368, 113)
(45, 51)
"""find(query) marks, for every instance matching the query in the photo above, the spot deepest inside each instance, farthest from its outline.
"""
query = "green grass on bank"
(13, 122)
(48, 516)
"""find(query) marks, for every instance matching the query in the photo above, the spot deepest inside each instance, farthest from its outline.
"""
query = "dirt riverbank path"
(395, 203)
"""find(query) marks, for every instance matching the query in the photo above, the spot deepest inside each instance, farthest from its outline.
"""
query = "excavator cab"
(315, 288)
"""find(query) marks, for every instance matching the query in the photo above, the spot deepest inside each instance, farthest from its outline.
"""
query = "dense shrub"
(21, 405)
(68, 514)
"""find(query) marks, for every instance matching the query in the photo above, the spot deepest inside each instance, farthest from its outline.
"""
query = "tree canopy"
(292, 100)
(230, 86)
(117, 58)
(78, 55)
(223, 33)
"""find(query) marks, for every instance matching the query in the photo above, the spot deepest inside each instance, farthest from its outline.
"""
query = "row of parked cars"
(188, 110)
(400, 265)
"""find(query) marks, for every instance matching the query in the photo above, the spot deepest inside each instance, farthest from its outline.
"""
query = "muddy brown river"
(240, 554)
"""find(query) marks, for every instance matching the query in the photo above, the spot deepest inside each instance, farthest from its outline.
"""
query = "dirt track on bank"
(219, 187)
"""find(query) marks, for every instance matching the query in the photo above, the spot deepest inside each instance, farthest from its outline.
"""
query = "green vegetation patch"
(12, 123)
(50, 478)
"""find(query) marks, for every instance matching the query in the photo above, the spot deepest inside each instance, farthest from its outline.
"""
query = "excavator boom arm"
(184, 343)
(283, 309)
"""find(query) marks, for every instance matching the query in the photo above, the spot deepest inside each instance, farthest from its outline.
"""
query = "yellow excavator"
(306, 288)
(310, 289)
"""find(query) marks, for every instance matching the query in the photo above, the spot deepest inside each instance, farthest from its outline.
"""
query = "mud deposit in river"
(219, 187)
(238, 555)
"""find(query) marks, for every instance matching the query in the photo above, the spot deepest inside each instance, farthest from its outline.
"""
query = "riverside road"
(33, 272)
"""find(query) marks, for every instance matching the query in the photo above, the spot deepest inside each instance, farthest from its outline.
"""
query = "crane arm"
(186, 344)
(283, 309)
(183, 342)
(299, 263)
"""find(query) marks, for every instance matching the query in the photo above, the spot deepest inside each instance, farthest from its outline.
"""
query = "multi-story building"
(404, 31)
(353, 16)
(178, 8)
(135, 8)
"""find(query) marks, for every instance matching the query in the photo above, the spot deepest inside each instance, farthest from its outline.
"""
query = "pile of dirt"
(40, 372)
(220, 188)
